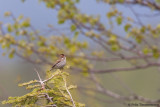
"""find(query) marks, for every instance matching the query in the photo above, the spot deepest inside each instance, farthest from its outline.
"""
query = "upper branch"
(126, 68)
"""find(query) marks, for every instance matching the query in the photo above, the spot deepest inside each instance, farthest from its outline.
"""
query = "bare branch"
(38, 75)
(104, 91)
(50, 78)
(65, 84)
(126, 69)
(43, 87)
(143, 3)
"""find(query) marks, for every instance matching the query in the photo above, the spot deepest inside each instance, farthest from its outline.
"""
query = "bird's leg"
(61, 70)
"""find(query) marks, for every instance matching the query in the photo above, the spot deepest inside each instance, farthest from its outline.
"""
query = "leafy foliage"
(57, 93)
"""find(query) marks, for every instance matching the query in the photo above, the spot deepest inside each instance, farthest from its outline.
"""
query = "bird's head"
(62, 55)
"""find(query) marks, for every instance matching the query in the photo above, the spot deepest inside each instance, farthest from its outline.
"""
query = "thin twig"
(38, 74)
(50, 78)
(65, 84)
(43, 87)
(40, 80)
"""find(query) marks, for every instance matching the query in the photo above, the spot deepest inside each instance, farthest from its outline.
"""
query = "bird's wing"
(55, 64)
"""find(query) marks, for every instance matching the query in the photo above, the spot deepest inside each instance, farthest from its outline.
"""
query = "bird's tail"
(52, 67)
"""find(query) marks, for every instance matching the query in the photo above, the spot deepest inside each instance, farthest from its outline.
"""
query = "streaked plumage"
(60, 63)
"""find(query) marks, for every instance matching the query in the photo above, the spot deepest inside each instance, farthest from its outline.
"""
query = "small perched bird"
(60, 63)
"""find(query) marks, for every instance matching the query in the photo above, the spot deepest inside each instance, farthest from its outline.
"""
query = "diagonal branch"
(126, 69)
(43, 87)
(119, 97)
(65, 84)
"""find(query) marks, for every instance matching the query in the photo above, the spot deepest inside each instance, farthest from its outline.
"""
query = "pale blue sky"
(42, 16)
(39, 14)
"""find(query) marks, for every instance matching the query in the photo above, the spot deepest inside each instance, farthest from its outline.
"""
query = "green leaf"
(9, 28)
(66, 41)
(40, 43)
(73, 49)
(50, 5)
(25, 23)
(139, 38)
(110, 14)
(73, 27)
(112, 39)
(85, 73)
(75, 37)
(85, 44)
(77, 1)
(126, 27)
(155, 52)
(115, 47)
(20, 17)
(11, 55)
(146, 50)
(143, 29)
(7, 14)
(4, 45)
(23, 1)
(22, 43)
(62, 1)
(158, 26)
(61, 21)
(156, 55)
(121, 1)
(76, 34)
(158, 1)
(119, 20)
(16, 26)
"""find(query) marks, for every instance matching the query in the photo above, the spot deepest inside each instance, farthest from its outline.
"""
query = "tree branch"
(104, 91)
(65, 84)
(126, 69)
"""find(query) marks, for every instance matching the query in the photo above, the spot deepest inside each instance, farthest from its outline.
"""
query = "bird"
(60, 63)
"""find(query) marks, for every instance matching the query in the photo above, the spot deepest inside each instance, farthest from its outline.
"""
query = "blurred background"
(142, 80)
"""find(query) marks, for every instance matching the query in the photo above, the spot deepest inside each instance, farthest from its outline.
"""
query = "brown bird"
(60, 63)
